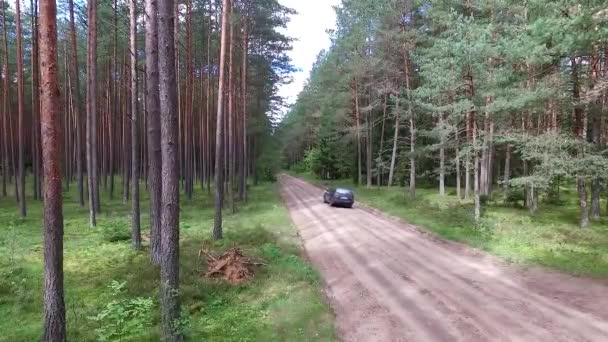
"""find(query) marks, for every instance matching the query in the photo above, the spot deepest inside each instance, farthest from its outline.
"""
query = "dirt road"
(386, 281)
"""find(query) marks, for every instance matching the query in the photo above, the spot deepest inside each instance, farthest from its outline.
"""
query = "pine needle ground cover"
(112, 290)
(551, 237)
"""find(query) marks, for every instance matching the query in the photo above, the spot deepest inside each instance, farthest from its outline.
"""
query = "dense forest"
(141, 142)
(107, 97)
(496, 98)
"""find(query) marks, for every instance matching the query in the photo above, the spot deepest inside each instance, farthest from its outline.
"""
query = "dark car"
(339, 197)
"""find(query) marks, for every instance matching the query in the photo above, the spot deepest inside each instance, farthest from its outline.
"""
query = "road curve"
(387, 281)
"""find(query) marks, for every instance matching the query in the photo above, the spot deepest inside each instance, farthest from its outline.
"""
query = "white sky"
(308, 27)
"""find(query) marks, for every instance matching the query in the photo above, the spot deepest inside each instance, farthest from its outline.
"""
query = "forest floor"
(551, 237)
(387, 280)
(105, 278)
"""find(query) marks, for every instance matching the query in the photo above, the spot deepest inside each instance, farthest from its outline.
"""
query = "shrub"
(124, 318)
(116, 230)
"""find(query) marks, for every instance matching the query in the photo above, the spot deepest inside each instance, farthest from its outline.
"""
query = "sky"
(308, 27)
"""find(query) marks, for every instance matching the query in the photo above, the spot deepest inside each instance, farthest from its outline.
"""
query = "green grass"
(282, 303)
(549, 238)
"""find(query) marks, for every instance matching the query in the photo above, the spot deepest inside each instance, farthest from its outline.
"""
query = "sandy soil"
(388, 281)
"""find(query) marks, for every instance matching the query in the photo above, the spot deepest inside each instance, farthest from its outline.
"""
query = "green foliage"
(115, 230)
(124, 318)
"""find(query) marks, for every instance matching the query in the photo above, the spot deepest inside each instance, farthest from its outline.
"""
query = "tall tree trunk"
(21, 109)
(441, 160)
(369, 142)
(135, 215)
(391, 171)
(507, 173)
(169, 266)
(92, 109)
(476, 176)
(5, 107)
(219, 131)
(358, 132)
(380, 167)
(458, 171)
(36, 186)
(579, 128)
(153, 123)
(54, 306)
(75, 83)
(231, 112)
(245, 49)
(410, 110)
(115, 90)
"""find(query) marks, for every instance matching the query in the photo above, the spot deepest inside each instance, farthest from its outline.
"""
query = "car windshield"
(343, 191)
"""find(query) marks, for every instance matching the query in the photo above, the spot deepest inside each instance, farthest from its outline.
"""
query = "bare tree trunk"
(169, 266)
(410, 110)
(21, 109)
(441, 160)
(231, 140)
(243, 168)
(219, 132)
(582, 190)
(458, 171)
(476, 176)
(507, 174)
(369, 142)
(54, 306)
(135, 215)
(153, 123)
(358, 132)
(5, 108)
(391, 171)
(75, 82)
(380, 168)
(92, 109)
(442, 170)
(36, 156)
(116, 89)
(579, 128)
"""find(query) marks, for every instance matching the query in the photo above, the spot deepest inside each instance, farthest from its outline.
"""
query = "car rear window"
(343, 191)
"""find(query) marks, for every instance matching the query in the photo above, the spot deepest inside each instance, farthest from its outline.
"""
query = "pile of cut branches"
(232, 266)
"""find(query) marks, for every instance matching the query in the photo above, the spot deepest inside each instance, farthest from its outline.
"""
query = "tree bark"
(476, 176)
(169, 267)
(5, 108)
(441, 161)
(391, 171)
(21, 111)
(579, 128)
(153, 123)
(219, 131)
(358, 132)
(243, 169)
(92, 110)
(54, 307)
(36, 156)
(369, 142)
(231, 114)
(458, 171)
(507, 173)
(380, 168)
(410, 109)
(135, 214)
